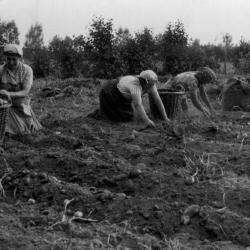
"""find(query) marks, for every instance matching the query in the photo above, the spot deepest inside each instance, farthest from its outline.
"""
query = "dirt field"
(87, 184)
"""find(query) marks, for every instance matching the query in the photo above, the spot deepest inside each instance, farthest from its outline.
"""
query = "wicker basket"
(4, 112)
(170, 100)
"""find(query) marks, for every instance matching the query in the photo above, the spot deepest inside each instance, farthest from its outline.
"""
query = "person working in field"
(121, 100)
(16, 79)
(193, 83)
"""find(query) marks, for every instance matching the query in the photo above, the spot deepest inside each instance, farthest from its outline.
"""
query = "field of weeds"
(82, 183)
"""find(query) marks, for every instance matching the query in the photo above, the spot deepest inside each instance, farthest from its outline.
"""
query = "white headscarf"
(149, 75)
(150, 79)
(13, 49)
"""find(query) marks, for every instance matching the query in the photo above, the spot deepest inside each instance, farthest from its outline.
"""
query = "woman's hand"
(5, 93)
(150, 124)
(206, 113)
(166, 120)
(146, 125)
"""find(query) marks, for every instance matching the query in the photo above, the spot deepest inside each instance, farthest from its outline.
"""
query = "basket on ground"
(4, 112)
(170, 100)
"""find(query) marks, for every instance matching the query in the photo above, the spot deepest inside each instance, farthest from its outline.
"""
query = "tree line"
(108, 53)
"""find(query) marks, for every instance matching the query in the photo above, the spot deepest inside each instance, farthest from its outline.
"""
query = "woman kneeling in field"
(193, 83)
(16, 79)
(121, 100)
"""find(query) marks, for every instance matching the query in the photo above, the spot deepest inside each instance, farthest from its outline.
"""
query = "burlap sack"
(236, 95)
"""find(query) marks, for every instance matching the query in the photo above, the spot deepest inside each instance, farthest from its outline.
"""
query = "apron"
(22, 119)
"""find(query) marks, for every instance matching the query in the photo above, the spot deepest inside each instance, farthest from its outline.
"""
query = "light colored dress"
(187, 82)
(21, 120)
(184, 81)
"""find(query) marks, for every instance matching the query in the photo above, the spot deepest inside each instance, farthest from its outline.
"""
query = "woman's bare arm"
(195, 100)
(204, 97)
(139, 109)
(155, 95)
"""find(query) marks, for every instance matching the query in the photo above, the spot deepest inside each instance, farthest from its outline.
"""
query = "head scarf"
(149, 77)
(205, 75)
(13, 49)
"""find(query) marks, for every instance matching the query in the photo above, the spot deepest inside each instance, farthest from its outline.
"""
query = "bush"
(106, 53)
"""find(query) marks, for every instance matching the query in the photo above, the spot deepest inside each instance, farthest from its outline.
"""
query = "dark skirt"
(113, 105)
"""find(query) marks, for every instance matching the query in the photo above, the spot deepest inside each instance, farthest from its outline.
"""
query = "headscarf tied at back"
(13, 49)
(147, 78)
(205, 75)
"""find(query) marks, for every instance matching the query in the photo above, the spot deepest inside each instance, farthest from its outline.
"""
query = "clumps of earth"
(86, 184)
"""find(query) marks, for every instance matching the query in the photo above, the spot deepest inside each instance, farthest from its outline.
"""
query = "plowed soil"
(82, 183)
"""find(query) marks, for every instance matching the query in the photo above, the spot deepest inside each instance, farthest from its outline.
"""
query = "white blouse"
(129, 85)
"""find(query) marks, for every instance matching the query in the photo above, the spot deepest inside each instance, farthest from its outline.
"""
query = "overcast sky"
(206, 20)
